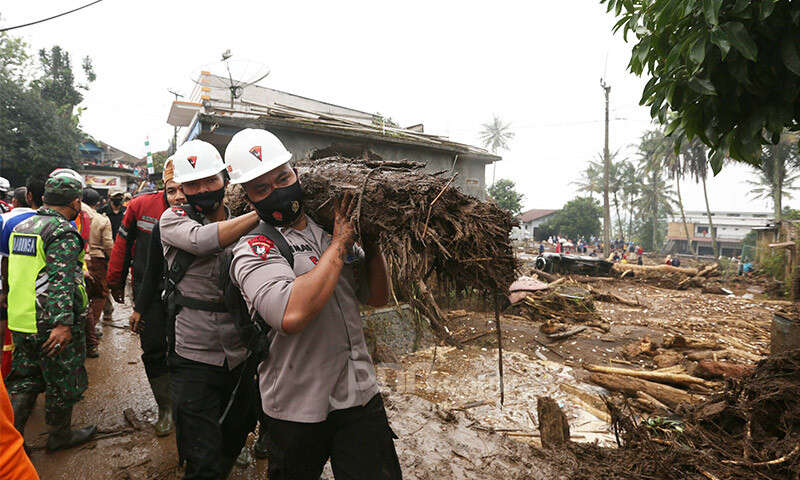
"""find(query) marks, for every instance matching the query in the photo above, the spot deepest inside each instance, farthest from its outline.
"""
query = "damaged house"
(311, 128)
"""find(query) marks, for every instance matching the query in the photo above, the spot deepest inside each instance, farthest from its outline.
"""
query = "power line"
(49, 18)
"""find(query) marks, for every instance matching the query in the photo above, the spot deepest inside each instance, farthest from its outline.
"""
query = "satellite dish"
(240, 73)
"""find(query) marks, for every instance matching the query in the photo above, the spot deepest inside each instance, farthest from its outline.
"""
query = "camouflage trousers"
(62, 378)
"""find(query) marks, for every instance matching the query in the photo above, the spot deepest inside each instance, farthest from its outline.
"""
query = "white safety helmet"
(68, 172)
(253, 152)
(196, 159)
(5, 185)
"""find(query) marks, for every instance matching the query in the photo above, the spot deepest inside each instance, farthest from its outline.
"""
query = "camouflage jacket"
(61, 302)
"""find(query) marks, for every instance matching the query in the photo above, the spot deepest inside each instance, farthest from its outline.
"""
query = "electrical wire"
(49, 18)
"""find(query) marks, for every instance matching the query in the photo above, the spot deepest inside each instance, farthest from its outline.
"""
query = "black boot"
(160, 387)
(62, 436)
(22, 404)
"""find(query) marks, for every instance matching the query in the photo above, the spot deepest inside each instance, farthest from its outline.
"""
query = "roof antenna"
(247, 73)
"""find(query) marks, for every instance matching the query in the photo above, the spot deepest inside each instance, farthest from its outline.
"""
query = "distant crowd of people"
(622, 251)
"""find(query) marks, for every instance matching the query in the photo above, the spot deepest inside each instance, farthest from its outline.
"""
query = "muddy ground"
(443, 403)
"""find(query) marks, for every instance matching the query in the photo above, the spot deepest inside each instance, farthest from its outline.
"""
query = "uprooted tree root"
(749, 430)
(422, 223)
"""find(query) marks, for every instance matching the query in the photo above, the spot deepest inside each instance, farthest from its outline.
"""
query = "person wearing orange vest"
(14, 462)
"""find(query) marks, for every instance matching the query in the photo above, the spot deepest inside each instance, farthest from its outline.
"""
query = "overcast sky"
(450, 65)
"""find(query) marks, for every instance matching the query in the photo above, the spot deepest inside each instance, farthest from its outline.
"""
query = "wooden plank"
(669, 396)
(679, 379)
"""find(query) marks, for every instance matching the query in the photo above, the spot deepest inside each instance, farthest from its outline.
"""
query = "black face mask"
(282, 207)
(207, 202)
(116, 201)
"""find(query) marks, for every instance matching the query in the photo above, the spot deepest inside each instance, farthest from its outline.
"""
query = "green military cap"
(61, 190)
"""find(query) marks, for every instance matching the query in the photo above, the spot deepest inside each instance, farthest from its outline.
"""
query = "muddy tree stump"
(553, 424)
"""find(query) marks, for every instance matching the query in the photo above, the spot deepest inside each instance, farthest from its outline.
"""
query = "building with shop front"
(105, 167)
(730, 227)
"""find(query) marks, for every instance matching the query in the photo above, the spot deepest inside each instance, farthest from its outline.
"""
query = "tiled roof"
(534, 214)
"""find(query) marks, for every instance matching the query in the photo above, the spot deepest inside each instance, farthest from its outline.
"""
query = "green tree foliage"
(57, 83)
(504, 194)
(34, 137)
(790, 214)
(724, 71)
(695, 163)
(655, 199)
(749, 246)
(776, 177)
(38, 130)
(579, 218)
(630, 191)
(591, 182)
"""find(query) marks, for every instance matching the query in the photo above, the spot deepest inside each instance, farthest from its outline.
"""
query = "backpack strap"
(183, 259)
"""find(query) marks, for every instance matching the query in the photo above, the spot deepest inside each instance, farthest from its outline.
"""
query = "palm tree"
(630, 191)
(695, 158)
(591, 180)
(495, 136)
(776, 176)
(676, 170)
(615, 184)
(655, 197)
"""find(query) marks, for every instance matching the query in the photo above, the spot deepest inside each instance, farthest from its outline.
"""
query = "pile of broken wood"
(563, 303)
(423, 224)
(676, 278)
(688, 369)
(748, 429)
(653, 390)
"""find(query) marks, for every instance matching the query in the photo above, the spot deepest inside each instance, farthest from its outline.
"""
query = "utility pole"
(606, 174)
(174, 128)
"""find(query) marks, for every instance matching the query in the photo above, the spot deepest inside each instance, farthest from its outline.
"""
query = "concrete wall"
(302, 144)
(527, 230)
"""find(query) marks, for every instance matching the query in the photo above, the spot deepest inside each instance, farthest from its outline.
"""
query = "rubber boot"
(22, 405)
(62, 436)
(160, 387)
(260, 447)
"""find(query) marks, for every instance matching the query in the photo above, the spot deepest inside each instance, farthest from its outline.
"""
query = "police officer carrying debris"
(318, 386)
(47, 310)
(207, 353)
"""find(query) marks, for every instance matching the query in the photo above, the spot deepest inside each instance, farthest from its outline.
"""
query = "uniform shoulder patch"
(24, 245)
(178, 211)
(261, 246)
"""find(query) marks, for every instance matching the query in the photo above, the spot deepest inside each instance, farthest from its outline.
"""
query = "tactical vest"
(27, 280)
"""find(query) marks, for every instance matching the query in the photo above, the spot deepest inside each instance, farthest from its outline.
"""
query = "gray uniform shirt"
(202, 336)
(326, 366)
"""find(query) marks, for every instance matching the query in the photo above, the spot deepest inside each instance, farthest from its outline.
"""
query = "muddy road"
(116, 382)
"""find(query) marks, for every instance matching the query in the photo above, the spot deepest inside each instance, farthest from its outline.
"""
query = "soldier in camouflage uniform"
(47, 310)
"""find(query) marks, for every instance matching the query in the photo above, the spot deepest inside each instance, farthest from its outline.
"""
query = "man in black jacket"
(148, 303)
